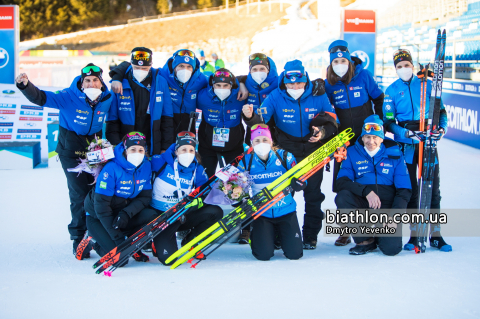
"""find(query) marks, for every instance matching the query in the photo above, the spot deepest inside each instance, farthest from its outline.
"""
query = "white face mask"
(259, 77)
(186, 159)
(371, 153)
(340, 69)
(262, 149)
(184, 75)
(92, 93)
(140, 75)
(295, 93)
(405, 73)
(135, 158)
(222, 93)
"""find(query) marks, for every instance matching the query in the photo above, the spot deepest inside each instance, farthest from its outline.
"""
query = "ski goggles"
(375, 126)
(186, 133)
(226, 74)
(338, 48)
(132, 134)
(141, 56)
(294, 75)
(91, 68)
(259, 126)
(257, 56)
(401, 51)
(186, 53)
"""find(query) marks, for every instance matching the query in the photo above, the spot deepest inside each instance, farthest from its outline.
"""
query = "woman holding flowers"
(175, 174)
(265, 165)
(115, 207)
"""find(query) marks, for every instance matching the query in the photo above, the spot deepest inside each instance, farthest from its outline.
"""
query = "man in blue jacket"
(143, 105)
(374, 176)
(83, 107)
(303, 123)
(401, 113)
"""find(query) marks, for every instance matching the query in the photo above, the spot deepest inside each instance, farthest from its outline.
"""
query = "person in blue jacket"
(176, 173)
(144, 104)
(401, 112)
(374, 175)
(303, 123)
(115, 207)
(82, 108)
(185, 80)
(265, 165)
(221, 132)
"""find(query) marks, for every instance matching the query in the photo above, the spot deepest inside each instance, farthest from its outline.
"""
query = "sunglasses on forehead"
(337, 48)
(259, 126)
(91, 68)
(132, 134)
(186, 53)
(257, 56)
(375, 126)
(223, 73)
(294, 74)
(185, 133)
(141, 55)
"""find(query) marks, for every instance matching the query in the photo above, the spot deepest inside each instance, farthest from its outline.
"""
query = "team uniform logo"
(140, 62)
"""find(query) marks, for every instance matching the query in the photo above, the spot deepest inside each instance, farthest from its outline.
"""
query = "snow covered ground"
(39, 277)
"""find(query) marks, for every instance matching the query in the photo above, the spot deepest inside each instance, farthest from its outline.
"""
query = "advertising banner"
(358, 30)
(9, 39)
(462, 102)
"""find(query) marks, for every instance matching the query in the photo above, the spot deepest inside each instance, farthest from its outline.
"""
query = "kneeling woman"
(175, 174)
(265, 165)
(114, 208)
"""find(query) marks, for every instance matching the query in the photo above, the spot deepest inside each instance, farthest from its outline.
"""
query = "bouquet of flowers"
(237, 187)
(99, 151)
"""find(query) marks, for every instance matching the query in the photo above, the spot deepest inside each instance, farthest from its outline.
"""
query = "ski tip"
(190, 260)
(107, 273)
(417, 250)
(194, 266)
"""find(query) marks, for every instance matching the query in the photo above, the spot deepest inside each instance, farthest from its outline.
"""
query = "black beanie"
(184, 138)
(143, 57)
(402, 55)
(263, 62)
(86, 71)
(218, 77)
(135, 138)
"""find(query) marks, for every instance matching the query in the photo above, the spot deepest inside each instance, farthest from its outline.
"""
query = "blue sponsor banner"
(7, 106)
(53, 114)
(36, 113)
(462, 102)
(6, 124)
(29, 131)
(362, 45)
(6, 130)
(28, 137)
(7, 56)
(31, 107)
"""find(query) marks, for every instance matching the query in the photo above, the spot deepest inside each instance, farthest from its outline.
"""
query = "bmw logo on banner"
(9, 39)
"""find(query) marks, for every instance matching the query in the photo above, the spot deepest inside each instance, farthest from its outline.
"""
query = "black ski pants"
(263, 237)
(78, 188)
(210, 158)
(312, 221)
(347, 201)
(101, 236)
(198, 221)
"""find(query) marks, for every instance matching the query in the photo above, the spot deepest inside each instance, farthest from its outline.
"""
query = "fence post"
(226, 4)
(258, 6)
(248, 7)
(236, 6)
(281, 6)
(269, 6)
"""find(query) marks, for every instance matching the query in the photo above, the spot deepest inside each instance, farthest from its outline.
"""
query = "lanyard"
(181, 194)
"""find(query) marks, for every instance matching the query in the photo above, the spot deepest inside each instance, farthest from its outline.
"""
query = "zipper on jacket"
(93, 115)
(349, 106)
(411, 101)
(375, 171)
(301, 132)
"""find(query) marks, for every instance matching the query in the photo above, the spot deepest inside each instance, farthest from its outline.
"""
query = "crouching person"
(374, 176)
(115, 207)
(176, 173)
(265, 165)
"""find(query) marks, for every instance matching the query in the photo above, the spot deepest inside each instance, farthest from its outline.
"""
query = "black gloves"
(437, 134)
(318, 87)
(298, 185)
(121, 221)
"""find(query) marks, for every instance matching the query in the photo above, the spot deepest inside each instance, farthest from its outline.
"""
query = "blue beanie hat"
(177, 59)
(337, 50)
(294, 67)
(373, 119)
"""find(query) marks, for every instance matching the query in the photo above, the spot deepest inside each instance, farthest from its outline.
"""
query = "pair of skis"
(220, 232)
(427, 151)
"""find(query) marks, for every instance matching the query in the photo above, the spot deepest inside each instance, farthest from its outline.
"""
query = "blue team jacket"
(264, 174)
(164, 185)
(123, 105)
(402, 104)
(259, 92)
(75, 113)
